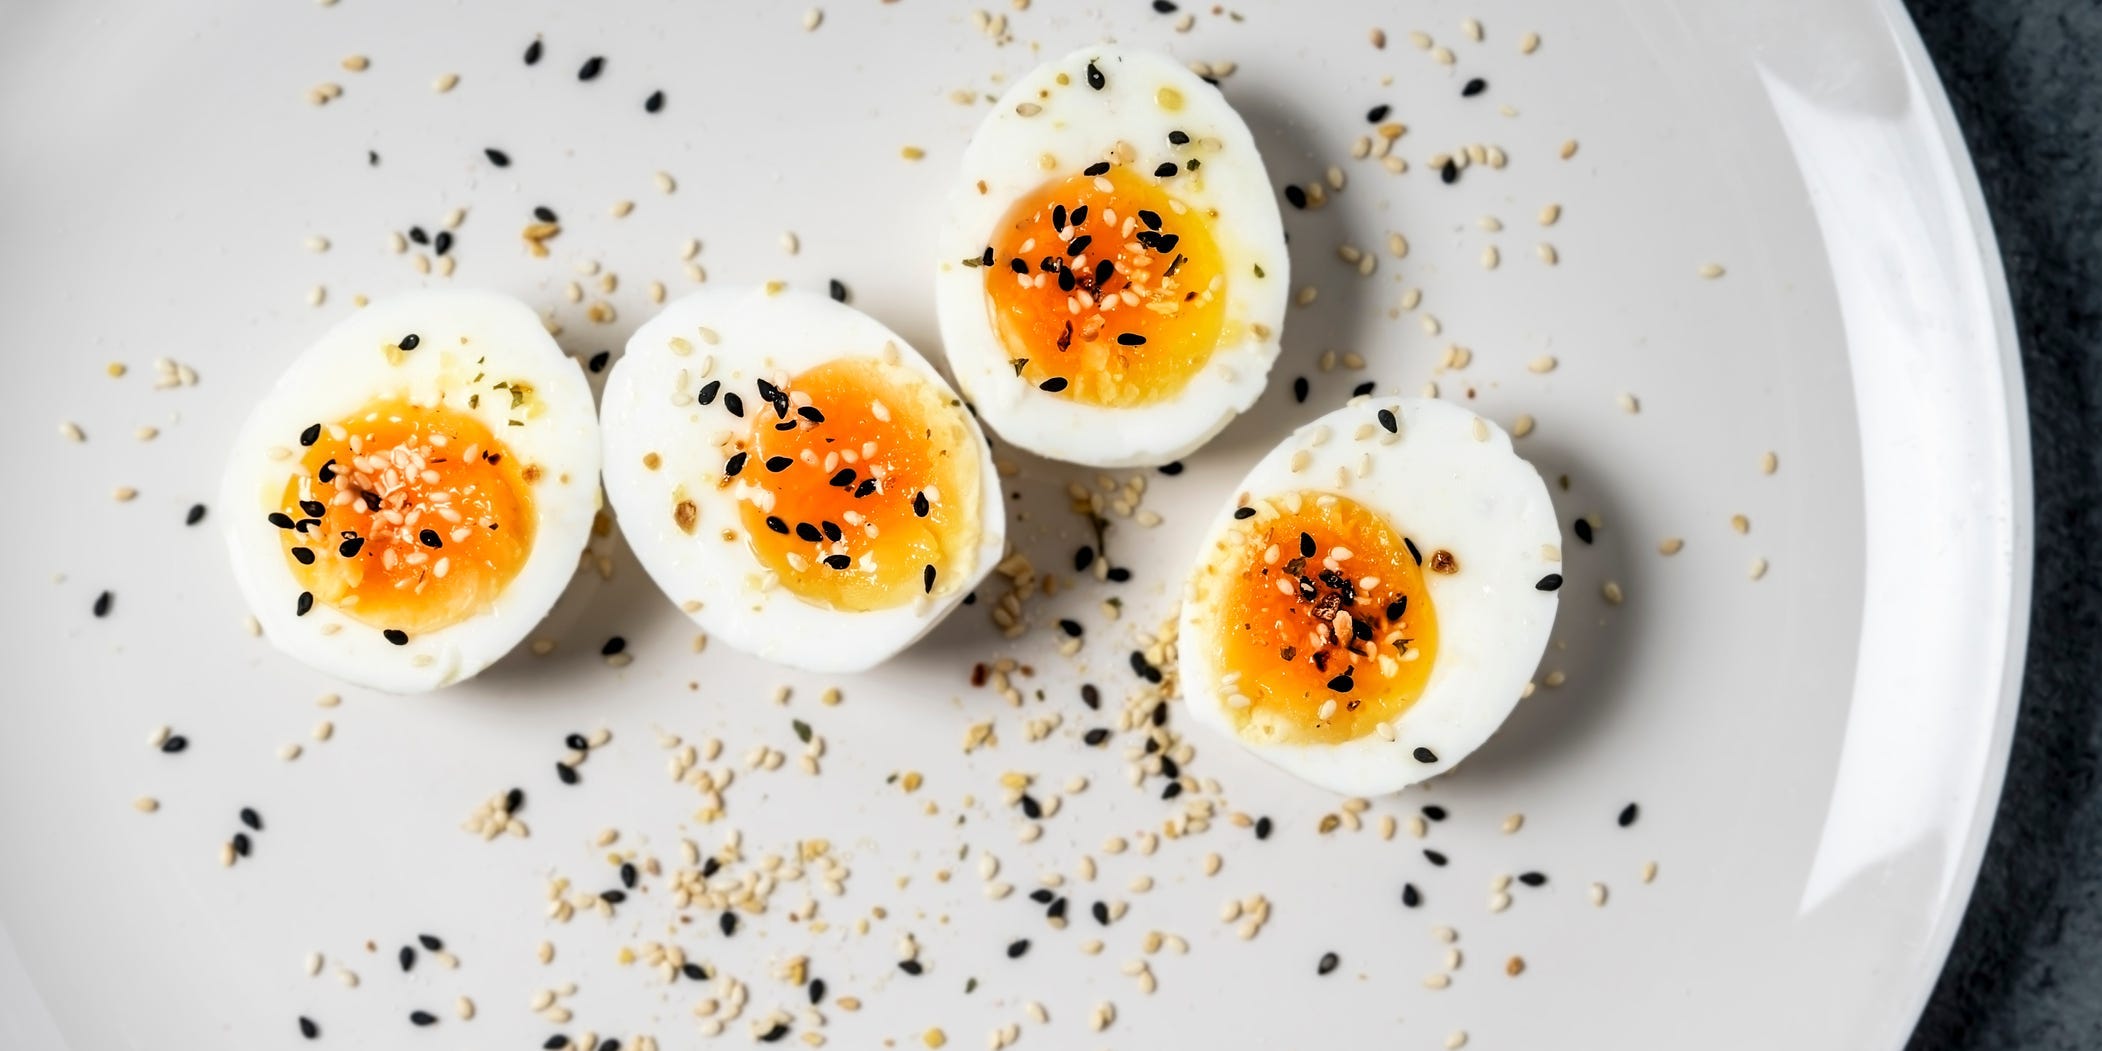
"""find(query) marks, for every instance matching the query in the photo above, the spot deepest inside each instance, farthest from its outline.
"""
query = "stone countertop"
(2025, 77)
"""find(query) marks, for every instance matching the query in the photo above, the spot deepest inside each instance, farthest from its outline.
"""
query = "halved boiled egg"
(413, 495)
(799, 479)
(1112, 274)
(1370, 607)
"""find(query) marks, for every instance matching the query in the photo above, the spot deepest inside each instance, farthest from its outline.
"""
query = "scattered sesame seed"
(1758, 569)
(1769, 463)
(1710, 271)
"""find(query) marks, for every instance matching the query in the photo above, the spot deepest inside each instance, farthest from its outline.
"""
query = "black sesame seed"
(1434, 858)
(1079, 244)
(1091, 696)
(1130, 339)
(1243, 513)
(1057, 909)
(241, 844)
(1095, 737)
(599, 360)
(1434, 812)
(308, 1029)
(627, 874)
(919, 504)
(775, 1034)
(1376, 114)
(1413, 552)
(777, 464)
(1295, 197)
(532, 54)
(1094, 77)
(1166, 170)
(1387, 420)
(927, 579)
(105, 600)
(576, 742)
(566, 773)
(837, 290)
(1179, 138)
(1410, 896)
(838, 561)
(711, 866)
(613, 646)
(306, 605)
(1170, 469)
(654, 103)
(1474, 87)
(613, 897)
(311, 435)
(987, 258)
(313, 508)
(1450, 173)
(1549, 582)
(1328, 963)
(866, 488)
(407, 956)
(727, 923)
(1164, 7)
(195, 516)
(1299, 389)
(497, 157)
(410, 341)
(1016, 948)
(1582, 528)
(811, 413)
(1031, 809)
(832, 532)
(514, 800)
(429, 538)
(1097, 168)
(734, 465)
(1362, 389)
(544, 213)
(1340, 684)
(808, 532)
(174, 744)
(911, 967)
(280, 519)
(1306, 544)
(1397, 607)
(1628, 814)
(1174, 789)
(1100, 911)
(417, 235)
(443, 243)
(609, 1044)
(1042, 895)
(1052, 385)
(591, 68)
(431, 942)
(694, 972)
(252, 819)
(555, 1043)
(1533, 879)
(735, 404)
(1262, 828)
(422, 1018)
(1118, 574)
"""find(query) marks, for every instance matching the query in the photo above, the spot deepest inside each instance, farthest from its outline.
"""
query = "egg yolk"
(858, 484)
(407, 518)
(1106, 289)
(1325, 627)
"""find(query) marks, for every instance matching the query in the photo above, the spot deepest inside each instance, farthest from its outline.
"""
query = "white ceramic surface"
(1816, 754)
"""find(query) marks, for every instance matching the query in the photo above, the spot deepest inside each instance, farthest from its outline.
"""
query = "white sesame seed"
(71, 431)
(1598, 894)
(1758, 568)
(1629, 405)
(790, 243)
(1522, 426)
(1549, 213)
(1612, 593)
(1670, 545)
(1528, 43)
(1547, 253)
(289, 751)
(1740, 524)
(664, 182)
(1437, 981)
(145, 804)
(1710, 271)
(317, 295)
(445, 82)
(124, 494)
(1649, 872)
(1769, 463)
(1569, 149)
(812, 19)
(1499, 901)
(1442, 55)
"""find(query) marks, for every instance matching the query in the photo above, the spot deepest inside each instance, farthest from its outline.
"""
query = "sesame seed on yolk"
(424, 516)
(1289, 583)
(855, 478)
(1107, 283)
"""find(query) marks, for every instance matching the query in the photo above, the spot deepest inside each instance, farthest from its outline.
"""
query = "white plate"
(1816, 753)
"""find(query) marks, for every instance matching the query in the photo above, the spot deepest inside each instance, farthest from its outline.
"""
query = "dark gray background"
(2026, 80)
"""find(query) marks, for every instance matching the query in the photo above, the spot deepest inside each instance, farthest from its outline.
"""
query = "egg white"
(1448, 479)
(460, 334)
(1077, 126)
(738, 336)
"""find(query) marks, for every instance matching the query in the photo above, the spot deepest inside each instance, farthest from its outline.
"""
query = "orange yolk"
(1325, 621)
(406, 518)
(860, 484)
(1106, 289)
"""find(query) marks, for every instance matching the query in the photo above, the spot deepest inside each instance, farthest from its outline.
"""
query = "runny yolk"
(858, 484)
(406, 518)
(1325, 627)
(1106, 289)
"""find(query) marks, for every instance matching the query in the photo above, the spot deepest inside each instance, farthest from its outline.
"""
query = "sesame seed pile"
(765, 869)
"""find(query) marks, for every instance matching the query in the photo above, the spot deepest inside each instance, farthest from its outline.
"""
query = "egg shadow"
(1594, 643)
(1336, 320)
